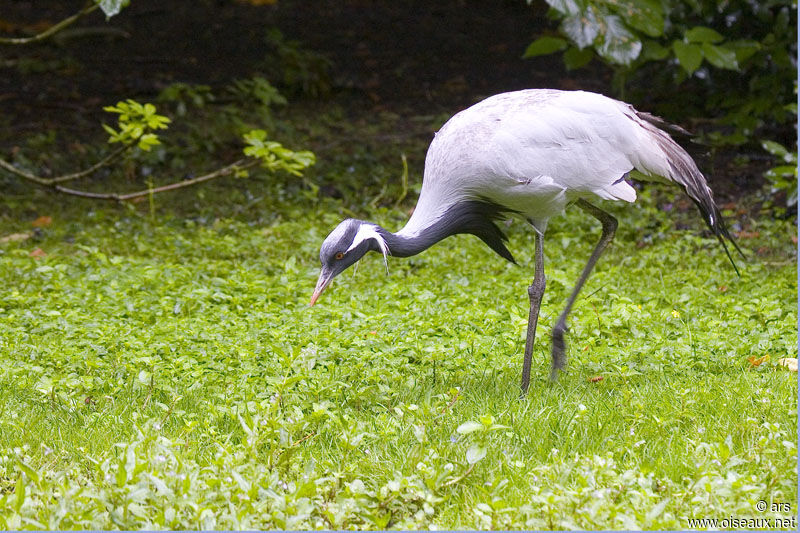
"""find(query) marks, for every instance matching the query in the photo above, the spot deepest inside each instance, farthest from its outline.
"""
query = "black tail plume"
(684, 171)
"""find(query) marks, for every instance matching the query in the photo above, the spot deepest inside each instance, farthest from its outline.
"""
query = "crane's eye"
(339, 255)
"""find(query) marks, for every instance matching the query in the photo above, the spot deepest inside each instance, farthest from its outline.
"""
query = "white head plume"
(370, 231)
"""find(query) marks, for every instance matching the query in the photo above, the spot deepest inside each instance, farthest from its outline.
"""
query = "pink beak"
(323, 281)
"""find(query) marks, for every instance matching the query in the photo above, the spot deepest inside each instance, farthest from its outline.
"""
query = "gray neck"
(401, 246)
(475, 217)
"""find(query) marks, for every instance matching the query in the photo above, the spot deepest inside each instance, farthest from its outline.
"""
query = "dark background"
(406, 56)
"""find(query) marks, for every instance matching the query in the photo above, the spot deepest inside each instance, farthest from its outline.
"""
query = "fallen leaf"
(756, 361)
(15, 237)
(747, 234)
(789, 363)
(794, 239)
(42, 222)
(722, 288)
(37, 253)
(595, 379)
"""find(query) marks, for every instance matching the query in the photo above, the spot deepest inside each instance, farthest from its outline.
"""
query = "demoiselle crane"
(529, 153)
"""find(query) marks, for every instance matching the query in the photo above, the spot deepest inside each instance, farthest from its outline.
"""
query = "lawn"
(163, 370)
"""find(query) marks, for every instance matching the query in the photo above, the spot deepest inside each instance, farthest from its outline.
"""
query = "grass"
(163, 370)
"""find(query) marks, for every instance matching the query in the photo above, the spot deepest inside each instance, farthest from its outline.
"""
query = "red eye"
(339, 255)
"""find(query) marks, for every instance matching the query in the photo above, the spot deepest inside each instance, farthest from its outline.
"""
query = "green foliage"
(663, 44)
(275, 156)
(784, 176)
(216, 118)
(479, 433)
(184, 95)
(545, 45)
(256, 90)
(137, 123)
(297, 69)
(171, 375)
(620, 30)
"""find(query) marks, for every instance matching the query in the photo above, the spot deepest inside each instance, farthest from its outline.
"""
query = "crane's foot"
(559, 356)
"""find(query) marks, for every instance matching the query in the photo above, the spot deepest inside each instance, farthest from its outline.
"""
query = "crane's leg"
(609, 227)
(535, 293)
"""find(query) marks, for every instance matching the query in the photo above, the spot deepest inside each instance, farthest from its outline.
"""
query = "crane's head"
(345, 245)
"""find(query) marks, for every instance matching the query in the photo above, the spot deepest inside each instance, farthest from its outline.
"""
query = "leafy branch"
(137, 124)
(629, 32)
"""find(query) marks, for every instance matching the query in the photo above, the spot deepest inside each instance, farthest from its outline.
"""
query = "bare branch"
(49, 182)
(241, 164)
(94, 168)
(22, 174)
(52, 30)
(461, 477)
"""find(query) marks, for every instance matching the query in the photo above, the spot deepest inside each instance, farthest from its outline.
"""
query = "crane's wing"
(587, 144)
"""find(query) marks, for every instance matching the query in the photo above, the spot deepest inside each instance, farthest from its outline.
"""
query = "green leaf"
(702, 34)
(486, 420)
(582, 29)
(475, 453)
(657, 509)
(690, 56)
(653, 50)
(720, 56)
(30, 472)
(575, 58)
(566, 7)
(253, 136)
(544, 45)
(469, 427)
(744, 49)
(619, 44)
(19, 492)
(781, 171)
(777, 149)
(646, 16)
(147, 141)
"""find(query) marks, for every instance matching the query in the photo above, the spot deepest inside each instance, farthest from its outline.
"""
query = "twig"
(295, 443)
(49, 182)
(461, 477)
(169, 411)
(21, 173)
(224, 171)
(94, 168)
(449, 405)
(55, 28)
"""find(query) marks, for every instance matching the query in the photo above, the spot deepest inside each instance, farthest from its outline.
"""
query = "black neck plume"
(475, 217)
